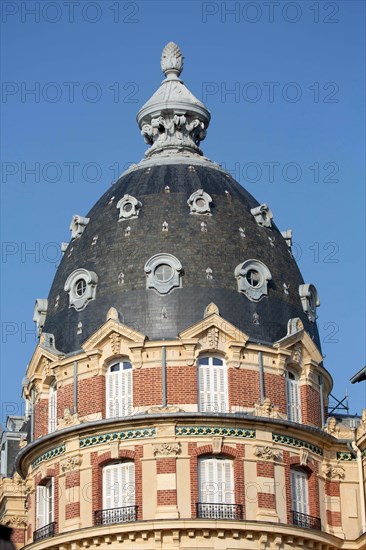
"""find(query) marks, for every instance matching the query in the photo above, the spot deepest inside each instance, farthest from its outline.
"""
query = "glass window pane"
(203, 361)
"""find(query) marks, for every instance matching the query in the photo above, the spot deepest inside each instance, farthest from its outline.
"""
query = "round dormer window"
(163, 273)
(253, 277)
(80, 287)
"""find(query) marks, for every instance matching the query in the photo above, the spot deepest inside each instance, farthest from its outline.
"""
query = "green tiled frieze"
(52, 453)
(99, 439)
(346, 457)
(287, 440)
(214, 430)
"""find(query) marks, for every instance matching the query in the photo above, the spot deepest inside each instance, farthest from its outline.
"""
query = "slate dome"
(150, 211)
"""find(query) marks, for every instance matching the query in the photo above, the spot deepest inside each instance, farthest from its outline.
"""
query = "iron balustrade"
(45, 532)
(303, 520)
(115, 515)
(208, 510)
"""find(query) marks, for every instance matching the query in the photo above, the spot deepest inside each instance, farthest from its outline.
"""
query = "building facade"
(178, 397)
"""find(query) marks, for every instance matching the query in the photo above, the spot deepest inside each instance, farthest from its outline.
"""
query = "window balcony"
(44, 532)
(308, 522)
(115, 515)
(207, 510)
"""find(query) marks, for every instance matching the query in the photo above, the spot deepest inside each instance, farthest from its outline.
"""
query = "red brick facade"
(147, 386)
(275, 389)
(310, 406)
(41, 418)
(182, 384)
(267, 500)
(243, 387)
(167, 497)
(91, 396)
(72, 510)
(166, 466)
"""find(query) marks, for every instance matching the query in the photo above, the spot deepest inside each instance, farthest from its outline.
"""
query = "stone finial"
(171, 60)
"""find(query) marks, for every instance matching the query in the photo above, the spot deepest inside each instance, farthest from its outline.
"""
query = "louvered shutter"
(52, 409)
(207, 484)
(126, 392)
(204, 387)
(41, 506)
(50, 492)
(293, 400)
(299, 492)
(113, 394)
(107, 487)
(222, 392)
(128, 484)
(228, 479)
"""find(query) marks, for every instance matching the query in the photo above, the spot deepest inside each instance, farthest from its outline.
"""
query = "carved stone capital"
(17, 522)
(167, 449)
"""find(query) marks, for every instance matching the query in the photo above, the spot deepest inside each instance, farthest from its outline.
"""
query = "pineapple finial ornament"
(171, 61)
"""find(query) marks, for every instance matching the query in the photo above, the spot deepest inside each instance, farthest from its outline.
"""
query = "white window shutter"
(52, 409)
(113, 394)
(128, 484)
(293, 400)
(222, 392)
(41, 506)
(204, 387)
(299, 492)
(228, 489)
(107, 487)
(50, 496)
(126, 392)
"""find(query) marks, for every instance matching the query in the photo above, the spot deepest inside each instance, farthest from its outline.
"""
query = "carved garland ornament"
(167, 449)
(333, 472)
(71, 463)
(267, 453)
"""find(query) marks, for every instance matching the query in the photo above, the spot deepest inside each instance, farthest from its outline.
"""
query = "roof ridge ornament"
(173, 121)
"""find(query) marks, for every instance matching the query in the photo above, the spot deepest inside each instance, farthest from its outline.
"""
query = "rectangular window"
(299, 492)
(216, 481)
(119, 485)
(119, 390)
(212, 380)
(293, 398)
(45, 504)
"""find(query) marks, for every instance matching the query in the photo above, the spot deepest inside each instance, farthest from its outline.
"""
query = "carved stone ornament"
(294, 325)
(211, 309)
(77, 226)
(252, 277)
(262, 215)
(112, 314)
(296, 353)
(304, 456)
(309, 300)
(40, 312)
(213, 337)
(17, 522)
(334, 472)
(115, 340)
(199, 202)
(170, 409)
(167, 449)
(287, 235)
(363, 419)
(173, 121)
(129, 207)
(331, 427)
(23, 442)
(217, 442)
(71, 463)
(267, 409)
(68, 419)
(267, 453)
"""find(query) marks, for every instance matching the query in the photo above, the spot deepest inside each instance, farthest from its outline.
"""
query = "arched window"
(119, 390)
(293, 396)
(52, 408)
(216, 489)
(212, 382)
(45, 510)
(118, 494)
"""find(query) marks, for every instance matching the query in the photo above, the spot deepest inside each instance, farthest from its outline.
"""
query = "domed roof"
(174, 234)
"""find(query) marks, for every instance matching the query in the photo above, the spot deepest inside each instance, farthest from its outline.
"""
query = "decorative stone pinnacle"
(171, 61)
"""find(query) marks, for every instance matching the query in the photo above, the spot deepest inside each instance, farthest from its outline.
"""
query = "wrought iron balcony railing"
(208, 510)
(303, 520)
(115, 515)
(45, 532)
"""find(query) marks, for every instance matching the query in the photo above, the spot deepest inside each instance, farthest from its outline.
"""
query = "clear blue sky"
(291, 131)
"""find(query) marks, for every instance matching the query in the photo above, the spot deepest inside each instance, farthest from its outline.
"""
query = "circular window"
(163, 273)
(80, 288)
(200, 202)
(127, 207)
(253, 277)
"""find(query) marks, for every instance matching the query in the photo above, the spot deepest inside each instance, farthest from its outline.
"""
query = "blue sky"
(284, 82)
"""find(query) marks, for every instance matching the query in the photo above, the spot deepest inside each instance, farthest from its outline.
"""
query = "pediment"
(107, 330)
(226, 331)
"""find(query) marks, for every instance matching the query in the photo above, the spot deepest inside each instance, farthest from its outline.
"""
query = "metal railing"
(303, 520)
(45, 532)
(219, 511)
(115, 515)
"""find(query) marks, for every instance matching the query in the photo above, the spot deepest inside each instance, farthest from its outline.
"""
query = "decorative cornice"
(167, 449)
(52, 453)
(99, 439)
(214, 430)
(293, 442)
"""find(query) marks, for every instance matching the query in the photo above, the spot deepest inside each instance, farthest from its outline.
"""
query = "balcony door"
(118, 485)
(299, 492)
(45, 504)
